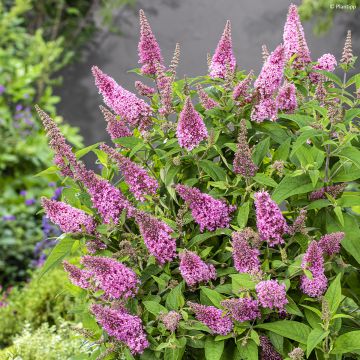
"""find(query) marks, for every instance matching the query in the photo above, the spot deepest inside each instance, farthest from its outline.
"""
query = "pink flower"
(269, 219)
(114, 278)
(123, 326)
(144, 90)
(246, 257)
(157, 237)
(208, 212)
(133, 110)
(243, 309)
(107, 199)
(140, 183)
(332, 190)
(313, 261)
(191, 129)
(294, 39)
(170, 320)
(194, 270)
(77, 276)
(213, 318)
(206, 101)
(286, 98)
(243, 163)
(115, 128)
(268, 351)
(271, 294)
(266, 109)
(69, 219)
(224, 57)
(271, 73)
(149, 50)
(330, 243)
(326, 62)
(242, 89)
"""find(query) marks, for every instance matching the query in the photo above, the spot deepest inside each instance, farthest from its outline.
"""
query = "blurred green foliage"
(42, 300)
(324, 11)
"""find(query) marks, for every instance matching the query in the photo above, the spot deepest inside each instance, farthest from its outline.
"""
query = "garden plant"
(225, 221)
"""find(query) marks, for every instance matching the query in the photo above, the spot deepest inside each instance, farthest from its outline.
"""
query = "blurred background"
(47, 48)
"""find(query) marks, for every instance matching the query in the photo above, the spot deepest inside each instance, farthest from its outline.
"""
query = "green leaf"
(128, 141)
(243, 214)
(265, 180)
(347, 343)
(212, 295)
(315, 337)
(198, 239)
(351, 229)
(79, 154)
(283, 151)
(249, 351)
(213, 349)
(216, 172)
(293, 330)
(299, 119)
(274, 130)
(155, 308)
(176, 350)
(50, 170)
(330, 76)
(339, 214)
(261, 149)
(242, 281)
(175, 298)
(290, 186)
(292, 308)
(351, 154)
(351, 114)
(333, 294)
(314, 176)
(58, 253)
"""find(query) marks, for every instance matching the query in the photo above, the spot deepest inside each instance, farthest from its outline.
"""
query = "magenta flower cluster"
(330, 243)
(194, 270)
(315, 284)
(208, 212)
(213, 318)
(269, 220)
(271, 294)
(242, 309)
(68, 218)
(123, 326)
(115, 128)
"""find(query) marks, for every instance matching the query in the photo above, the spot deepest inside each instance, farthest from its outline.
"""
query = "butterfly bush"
(224, 219)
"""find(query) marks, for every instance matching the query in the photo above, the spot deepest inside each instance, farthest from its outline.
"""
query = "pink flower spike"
(123, 326)
(208, 212)
(133, 110)
(68, 218)
(243, 309)
(266, 109)
(191, 129)
(206, 101)
(224, 56)
(271, 294)
(77, 276)
(330, 243)
(286, 99)
(326, 62)
(149, 50)
(194, 270)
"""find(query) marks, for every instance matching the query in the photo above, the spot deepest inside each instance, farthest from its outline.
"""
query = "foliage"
(47, 342)
(306, 159)
(27, 63)
(39, 301)
(324, 12)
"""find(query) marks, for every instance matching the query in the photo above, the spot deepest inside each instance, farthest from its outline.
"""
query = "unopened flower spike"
(347, 55)
(149, 50)
(264, 52)
(206, 101)
(223, 56)
(175, 61)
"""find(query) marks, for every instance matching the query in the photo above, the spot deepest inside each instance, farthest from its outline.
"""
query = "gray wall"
(197, 25)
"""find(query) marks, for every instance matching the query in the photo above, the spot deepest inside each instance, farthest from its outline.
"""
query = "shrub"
(40, 301)
(230, 229)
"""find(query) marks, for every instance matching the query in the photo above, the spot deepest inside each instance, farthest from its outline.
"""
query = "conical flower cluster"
(140, 183)
(170, 320)
(268, 351)
(269, 219)
(157, 237)
(77, 276)
(330, 243)
(136, 112)
(194, 270)
(313, 261)
(208, 212)
(241, 91)
(325, 62)
(245, 254)
(347, 55)
(68, 218)
(191, 129)
(123, 326)
(286, 98)
(114, 278)
(206, 101)
(243, 163)
(223, 59)
(149, 49)
(115, 128)
(271, 294)
(243, 309)
(294, 39)
(213, 318)
(144, 90)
